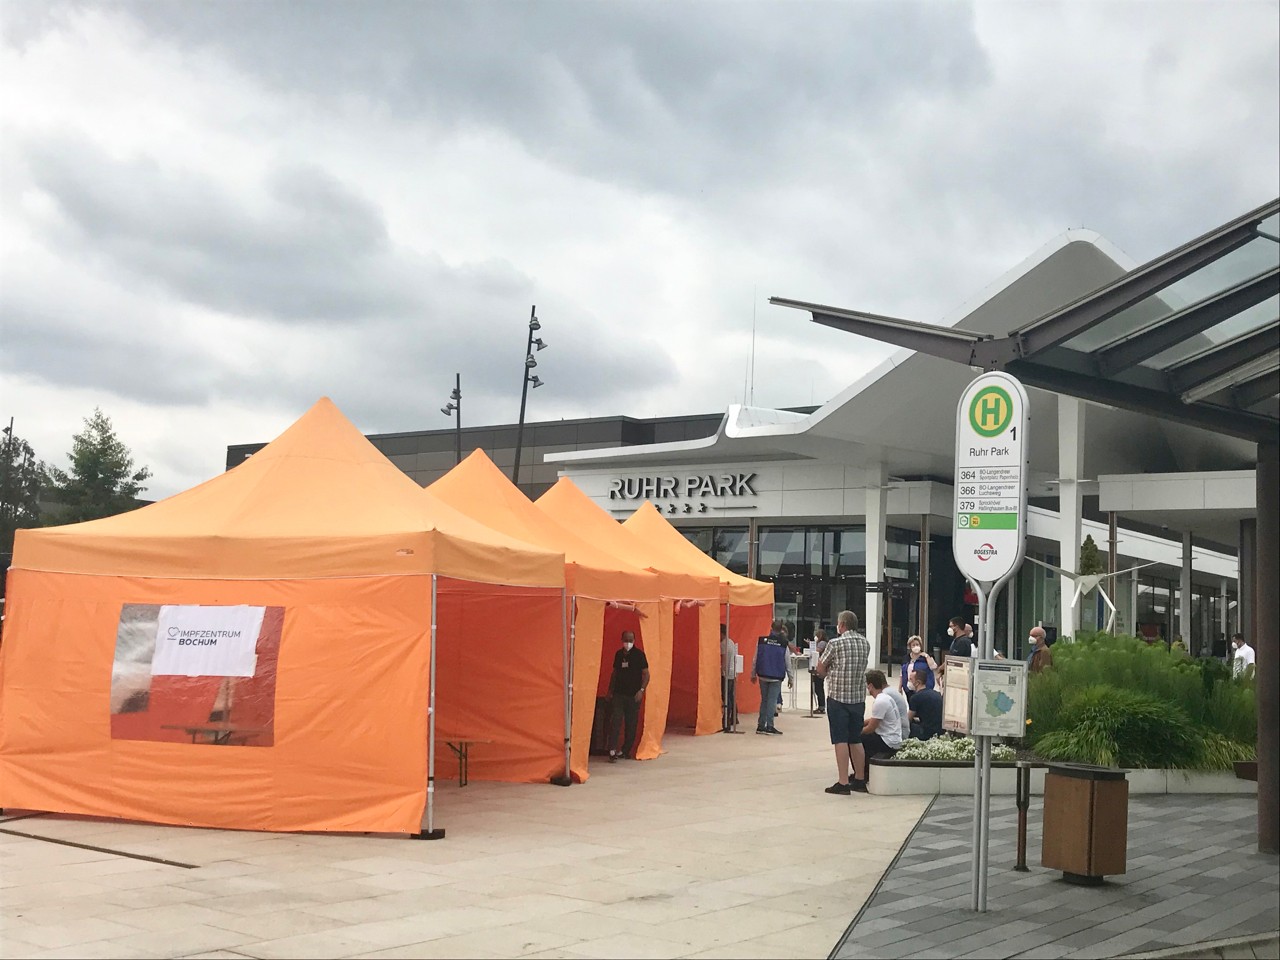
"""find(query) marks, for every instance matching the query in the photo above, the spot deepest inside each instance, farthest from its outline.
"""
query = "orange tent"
(257, 652)
(595, 579)
(688, 618)
(748, 604)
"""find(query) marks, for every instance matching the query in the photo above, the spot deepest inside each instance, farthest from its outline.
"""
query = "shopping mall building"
(850, 504)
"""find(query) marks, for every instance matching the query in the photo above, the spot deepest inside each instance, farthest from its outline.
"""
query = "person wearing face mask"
(961, 635)
(626, 693)
(1041, 656)
(1242, 654)
(925, 712)
(917, 659)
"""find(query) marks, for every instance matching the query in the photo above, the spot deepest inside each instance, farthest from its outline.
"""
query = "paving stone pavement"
(727, 846)
(1194, 877)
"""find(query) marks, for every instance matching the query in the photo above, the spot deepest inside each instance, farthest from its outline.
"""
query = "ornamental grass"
(1121, 701)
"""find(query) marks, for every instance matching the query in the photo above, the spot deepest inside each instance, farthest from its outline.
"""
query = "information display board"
(991, 475)
(999, 698)
(955, 694)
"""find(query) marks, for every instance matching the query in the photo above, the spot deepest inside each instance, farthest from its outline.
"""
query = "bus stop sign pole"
(989, 543)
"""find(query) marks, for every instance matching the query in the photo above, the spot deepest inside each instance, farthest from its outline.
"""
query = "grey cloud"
(308, 266)
(684, 97)
(306, 249)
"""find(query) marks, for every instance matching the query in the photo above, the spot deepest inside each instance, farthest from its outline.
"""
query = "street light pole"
(529, 380)
(455, 403)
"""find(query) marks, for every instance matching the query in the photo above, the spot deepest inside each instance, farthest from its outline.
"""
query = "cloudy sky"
(215, 213)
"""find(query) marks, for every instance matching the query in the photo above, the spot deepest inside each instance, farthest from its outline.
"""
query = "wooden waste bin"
(1086, 822)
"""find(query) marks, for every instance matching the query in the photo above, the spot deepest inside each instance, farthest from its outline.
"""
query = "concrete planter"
(897, 778)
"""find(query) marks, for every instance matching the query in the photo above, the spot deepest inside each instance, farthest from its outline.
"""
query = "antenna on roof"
(751, 393)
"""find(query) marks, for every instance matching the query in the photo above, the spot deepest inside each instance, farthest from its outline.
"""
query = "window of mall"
(820, 570)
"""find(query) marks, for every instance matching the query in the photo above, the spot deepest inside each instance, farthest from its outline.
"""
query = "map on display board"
(955, 694)
(991, 477)
(999, 698)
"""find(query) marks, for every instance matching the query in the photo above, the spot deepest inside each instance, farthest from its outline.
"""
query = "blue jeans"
(770, 696)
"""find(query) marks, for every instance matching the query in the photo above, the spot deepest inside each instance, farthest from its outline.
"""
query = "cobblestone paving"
(1194, 876)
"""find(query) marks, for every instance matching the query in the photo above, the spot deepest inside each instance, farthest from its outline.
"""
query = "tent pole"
(567, 626)
(730, 704)
(431, 833)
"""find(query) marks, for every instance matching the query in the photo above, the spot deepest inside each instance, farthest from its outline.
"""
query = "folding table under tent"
(257, 652)
(689, 616)
(606, 595)
(747, 605)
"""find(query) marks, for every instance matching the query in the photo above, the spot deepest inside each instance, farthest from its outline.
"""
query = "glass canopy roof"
(1193, 336)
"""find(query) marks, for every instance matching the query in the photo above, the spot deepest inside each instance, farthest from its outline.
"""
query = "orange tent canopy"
(690, 635)
(337, 548)
(478, 489)
(593, 576)
(319, 501)
(566, 502)
(654, 529)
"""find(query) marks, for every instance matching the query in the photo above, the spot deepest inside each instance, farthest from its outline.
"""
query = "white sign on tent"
(197, 641)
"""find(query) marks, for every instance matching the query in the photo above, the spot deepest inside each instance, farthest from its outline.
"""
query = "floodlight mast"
(455, 403)
(528, 380)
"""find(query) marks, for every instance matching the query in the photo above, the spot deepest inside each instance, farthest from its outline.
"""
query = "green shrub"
(1119, 727)
(1215, 703)
(1114, 726)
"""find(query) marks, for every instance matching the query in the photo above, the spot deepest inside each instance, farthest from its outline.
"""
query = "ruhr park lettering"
(672, 488)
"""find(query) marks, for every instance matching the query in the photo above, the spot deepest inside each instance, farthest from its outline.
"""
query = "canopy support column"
(431, 833)
(1071, 426)
(1185, 627)
(568, 628)
(876, 479)
(1266, 642)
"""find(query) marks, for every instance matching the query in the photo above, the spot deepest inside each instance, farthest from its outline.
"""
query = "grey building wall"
(427, 455)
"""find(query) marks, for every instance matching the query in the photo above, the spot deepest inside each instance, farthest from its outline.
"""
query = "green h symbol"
(990, 411)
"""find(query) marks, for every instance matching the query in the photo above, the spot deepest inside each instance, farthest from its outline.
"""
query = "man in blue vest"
(769, 669)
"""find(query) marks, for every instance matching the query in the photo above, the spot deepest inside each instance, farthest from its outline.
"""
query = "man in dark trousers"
(769, 669)
(626, 693)
(926, 707)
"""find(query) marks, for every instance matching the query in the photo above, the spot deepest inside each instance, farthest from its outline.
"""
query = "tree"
(21, 477)
(102, 481)
(1090, 558)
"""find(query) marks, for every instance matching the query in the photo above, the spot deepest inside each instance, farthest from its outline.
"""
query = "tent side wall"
(710, 694)
(500, 678)
(657, 645)
(342, 748)
(588, 628)
(746, 626)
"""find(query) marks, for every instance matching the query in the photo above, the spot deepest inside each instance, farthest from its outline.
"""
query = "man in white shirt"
(1243, 655)
(904, 712)
(882, 731)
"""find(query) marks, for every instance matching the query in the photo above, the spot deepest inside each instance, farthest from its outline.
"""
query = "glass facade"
(1153, 613)
(820, 570)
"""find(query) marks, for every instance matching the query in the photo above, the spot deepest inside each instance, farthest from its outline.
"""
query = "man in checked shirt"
(843, 666)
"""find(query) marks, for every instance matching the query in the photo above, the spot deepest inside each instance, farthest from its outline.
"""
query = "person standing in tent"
(728, 679)
(769, 668)
(626, 693)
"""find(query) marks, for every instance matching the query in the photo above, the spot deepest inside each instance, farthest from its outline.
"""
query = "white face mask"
(951, 631)
(915, 650)
(1033, 641)
(627, 646)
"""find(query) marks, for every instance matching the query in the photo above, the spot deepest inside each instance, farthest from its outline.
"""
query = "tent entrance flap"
(685, 662)
(499, 678)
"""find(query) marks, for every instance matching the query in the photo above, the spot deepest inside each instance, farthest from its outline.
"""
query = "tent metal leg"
(730, 717)
(568, 628)
(431, 833)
